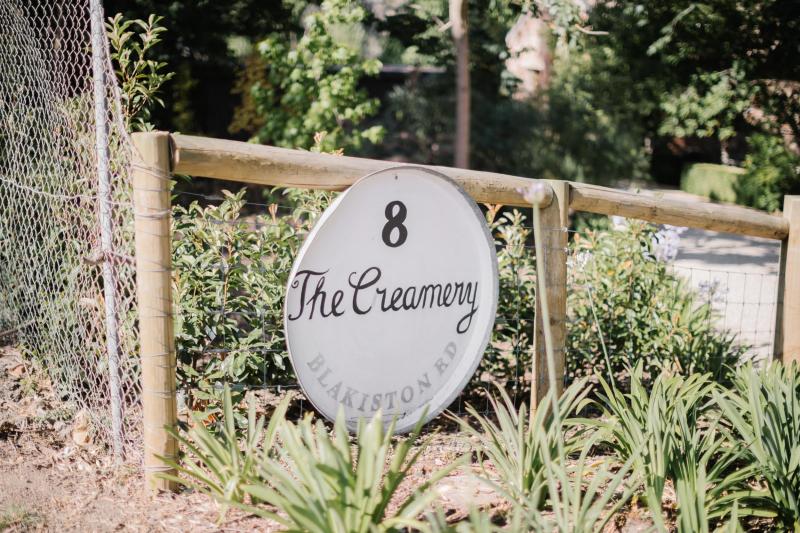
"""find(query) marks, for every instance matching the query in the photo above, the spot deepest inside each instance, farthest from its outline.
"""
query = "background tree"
(309, 83)
(202, 48)
(719, 69)
(636, 90)
(459, 27)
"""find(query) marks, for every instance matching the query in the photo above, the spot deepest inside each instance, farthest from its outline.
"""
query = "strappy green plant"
(710, 479)
(319, 485)
(764, 410)
(517, 445)
(547, 492)
(219, 463)
(584, 496)
(672, 432)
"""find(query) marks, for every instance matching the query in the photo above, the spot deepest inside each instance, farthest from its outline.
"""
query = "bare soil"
(49, 482)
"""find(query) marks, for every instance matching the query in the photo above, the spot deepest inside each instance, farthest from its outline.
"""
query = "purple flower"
(666, 241)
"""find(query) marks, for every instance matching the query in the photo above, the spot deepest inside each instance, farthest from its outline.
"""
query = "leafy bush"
(715, 182)
(230, 274)
(620, 281)
(764, 411)
(231, 271)
(771, 171)
(312, 85)
(507, 358)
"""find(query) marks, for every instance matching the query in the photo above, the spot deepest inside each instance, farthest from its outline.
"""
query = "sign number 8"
(395, 216)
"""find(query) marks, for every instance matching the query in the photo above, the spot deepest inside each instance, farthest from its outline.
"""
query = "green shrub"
(764, 411)
(507, 357)
(620, 281)
(716, 182)
(230, 273)
(771, 171)
(311, 84)
(227, 260)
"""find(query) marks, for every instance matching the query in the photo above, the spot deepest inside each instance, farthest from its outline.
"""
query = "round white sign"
(392, 298)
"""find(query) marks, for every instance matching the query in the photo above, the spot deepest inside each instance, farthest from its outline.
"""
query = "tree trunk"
(458, 27)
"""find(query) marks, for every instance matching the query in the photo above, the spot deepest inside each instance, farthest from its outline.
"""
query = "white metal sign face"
(392, 298)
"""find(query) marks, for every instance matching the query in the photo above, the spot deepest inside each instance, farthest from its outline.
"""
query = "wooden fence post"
(554, 220)
(152, 208)
(787, 325)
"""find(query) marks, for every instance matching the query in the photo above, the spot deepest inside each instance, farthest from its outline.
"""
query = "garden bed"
(48, 481)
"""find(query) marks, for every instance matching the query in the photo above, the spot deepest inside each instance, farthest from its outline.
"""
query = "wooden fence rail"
(267, 165)
(270, 166)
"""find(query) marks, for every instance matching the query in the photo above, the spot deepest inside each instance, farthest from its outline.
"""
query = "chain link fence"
(67, 287)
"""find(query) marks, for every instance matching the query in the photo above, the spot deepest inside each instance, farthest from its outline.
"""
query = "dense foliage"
(627, 306)
(312, 85)
(230, 275)
(634, 90)
(729, 454)
(704, 64)
(771, 171)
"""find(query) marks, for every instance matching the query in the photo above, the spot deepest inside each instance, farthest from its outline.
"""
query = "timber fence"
(775, 296)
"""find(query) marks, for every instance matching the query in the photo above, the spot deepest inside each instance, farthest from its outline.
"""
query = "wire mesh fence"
(66, 222)
(634, 294)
